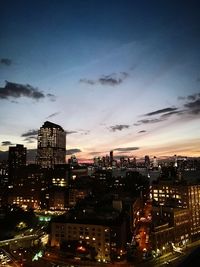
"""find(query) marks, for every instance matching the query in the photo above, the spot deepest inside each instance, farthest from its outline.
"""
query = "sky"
(115, 74)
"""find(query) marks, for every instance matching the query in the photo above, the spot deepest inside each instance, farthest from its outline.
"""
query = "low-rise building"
(177, 218)
(103, 231)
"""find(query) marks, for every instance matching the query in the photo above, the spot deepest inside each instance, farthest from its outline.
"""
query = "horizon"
(117, 157)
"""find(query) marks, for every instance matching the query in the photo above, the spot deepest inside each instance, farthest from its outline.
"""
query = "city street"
(7, 260)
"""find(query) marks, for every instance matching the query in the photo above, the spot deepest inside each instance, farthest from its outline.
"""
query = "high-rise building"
(147, 161)
(16, 156)
(111, 157)
(175, 161)
(16, 160)
(51, 148)
(155, 162)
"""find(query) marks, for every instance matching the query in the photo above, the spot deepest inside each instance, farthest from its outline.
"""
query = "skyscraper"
(111, 157)
(147, 161)
(16, 160)
(51, 148)
(16, 156)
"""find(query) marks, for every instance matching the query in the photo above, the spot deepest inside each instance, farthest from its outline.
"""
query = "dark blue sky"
(100, 65)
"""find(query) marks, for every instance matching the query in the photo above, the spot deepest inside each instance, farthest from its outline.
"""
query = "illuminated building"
(97, 162)
(161, 235)
(25, 198)
(51, 148)
(175, 161)
(28, 188)
(57, 199)
(73, 161)
(177, 223)
(155, 162)
(104, 176)
(75, 194)
(180, 196)
(78, 171)
(106, 233)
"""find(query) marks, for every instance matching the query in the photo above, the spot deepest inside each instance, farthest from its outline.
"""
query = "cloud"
(31, 136)
(85, 132)
(159, 111)
(53, 115)
(30, 139)
(71, 132)
(143, 131)
(126, 149)
(192, 97)
(6, 143)
(148, 121)
(95, 153)
(118, 157)
(73, 151)
(189, 97)
(79, 131)
(51, 97)
(111, 80)
(91, 82)
(169, 114)
(181, 97)
(15, 90)
(193, 107)
(119, 127)
(6, 61)
(31, 133)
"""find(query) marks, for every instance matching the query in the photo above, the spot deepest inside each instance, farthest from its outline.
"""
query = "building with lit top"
(51, 149)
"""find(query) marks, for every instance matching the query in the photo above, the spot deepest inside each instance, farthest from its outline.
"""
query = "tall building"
(16, 156)
(147, 161)
(155, 162)
(16, 160)
(111, 157)
(51, 148)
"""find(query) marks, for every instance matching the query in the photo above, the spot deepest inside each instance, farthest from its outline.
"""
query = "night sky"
(115, 74)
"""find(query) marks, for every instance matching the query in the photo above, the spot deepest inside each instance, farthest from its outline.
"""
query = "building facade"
(51, 149)
(180, 196)
(104, 232)
(179, 219)
(16, 160)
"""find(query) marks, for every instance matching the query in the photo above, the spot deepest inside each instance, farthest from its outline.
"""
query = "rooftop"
(49, 124)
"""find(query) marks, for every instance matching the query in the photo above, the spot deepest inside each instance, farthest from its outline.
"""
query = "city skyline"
(116, 75)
